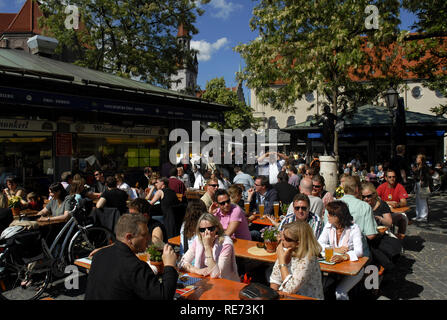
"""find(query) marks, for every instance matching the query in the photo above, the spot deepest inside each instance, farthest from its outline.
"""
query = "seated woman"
(77, 189)
(157, 231)
(57, 210)
(386, 246)
(345, 237)
(297, 269)
(122, 185)
(212, 251)
(235, 192)
(194, 211)
(13, 189)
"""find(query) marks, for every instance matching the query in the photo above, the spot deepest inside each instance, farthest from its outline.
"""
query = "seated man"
(157, 231)
(301, 206)
(113, 197)
(130, 278)
(263, 193)
(396, 196)
(208, 198)
(231, 216)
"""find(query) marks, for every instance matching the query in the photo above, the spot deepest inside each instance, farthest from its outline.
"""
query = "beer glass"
(247, 207)
(276, 209)
(261, 210)
(328, 253)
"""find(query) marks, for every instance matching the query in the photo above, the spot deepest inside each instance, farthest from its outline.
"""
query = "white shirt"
(354, 243)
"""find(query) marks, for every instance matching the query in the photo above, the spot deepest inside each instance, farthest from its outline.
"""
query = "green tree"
(428, 48)
(241, 117)
(319, 45)
(130, 38)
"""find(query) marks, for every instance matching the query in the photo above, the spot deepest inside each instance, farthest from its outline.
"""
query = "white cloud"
(207, 49)
(224, 8)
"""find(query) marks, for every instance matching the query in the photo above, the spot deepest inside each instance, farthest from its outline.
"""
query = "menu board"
(63, 145)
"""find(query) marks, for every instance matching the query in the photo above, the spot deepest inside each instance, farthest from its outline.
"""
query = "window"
(272, 124)
(310, 97)
(291, 121)
(416, 92)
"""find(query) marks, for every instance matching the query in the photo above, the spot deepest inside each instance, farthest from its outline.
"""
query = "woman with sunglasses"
(386, 246)
(342, 234)
(319, 191)
(212, 251)
(296, 269)
(231, 216)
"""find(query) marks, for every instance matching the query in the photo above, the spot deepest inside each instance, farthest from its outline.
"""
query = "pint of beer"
(261, 210)
(276, 209)
(328, 253)
(247, 206)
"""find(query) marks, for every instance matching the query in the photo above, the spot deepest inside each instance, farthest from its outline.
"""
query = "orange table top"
(400, 210)
(241, 247)
(211, 289)
(223, 289)
(264, 221)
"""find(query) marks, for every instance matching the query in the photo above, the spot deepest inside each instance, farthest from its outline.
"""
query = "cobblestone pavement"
(421, 269)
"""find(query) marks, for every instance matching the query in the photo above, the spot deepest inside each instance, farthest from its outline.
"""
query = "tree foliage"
(429, 49)
(308, 45)
(131, 38)
(241, 117)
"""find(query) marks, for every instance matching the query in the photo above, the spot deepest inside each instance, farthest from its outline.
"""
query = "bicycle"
(27, 264)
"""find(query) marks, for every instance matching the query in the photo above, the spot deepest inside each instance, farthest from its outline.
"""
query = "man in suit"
(130, 278)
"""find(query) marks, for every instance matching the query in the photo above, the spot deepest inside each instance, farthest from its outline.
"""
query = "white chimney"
(42, 46)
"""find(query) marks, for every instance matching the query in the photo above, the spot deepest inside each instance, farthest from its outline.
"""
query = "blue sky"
(224, 25)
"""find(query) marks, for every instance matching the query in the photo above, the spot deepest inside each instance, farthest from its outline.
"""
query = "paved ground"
(422, 268)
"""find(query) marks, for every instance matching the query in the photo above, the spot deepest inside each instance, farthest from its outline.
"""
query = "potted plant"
(155, 258)
(15, 203)
(270, 236)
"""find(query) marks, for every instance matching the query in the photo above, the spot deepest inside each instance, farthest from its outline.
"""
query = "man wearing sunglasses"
(100, 184)
(211, 186)
(392, 192)
(301, 211)
(231, 216)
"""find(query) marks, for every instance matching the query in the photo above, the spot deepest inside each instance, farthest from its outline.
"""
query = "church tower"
(186, 78)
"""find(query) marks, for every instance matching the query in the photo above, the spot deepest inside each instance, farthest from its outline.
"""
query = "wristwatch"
(282, 265)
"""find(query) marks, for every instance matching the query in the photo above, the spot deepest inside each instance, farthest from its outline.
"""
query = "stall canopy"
(35, 80)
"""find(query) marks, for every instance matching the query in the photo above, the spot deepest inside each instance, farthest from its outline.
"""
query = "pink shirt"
(235, 214)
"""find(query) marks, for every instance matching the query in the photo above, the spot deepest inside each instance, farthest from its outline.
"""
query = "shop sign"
(63, 145)
(108, 129)
(27, 125)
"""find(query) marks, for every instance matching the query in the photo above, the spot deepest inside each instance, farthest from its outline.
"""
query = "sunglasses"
(288, 239)
(211, 229)
(391, 177)
(224, 202)
(96, 174)
(297, 208)
(257, 185)
(367, 196)
(316, 186)
(213, 185)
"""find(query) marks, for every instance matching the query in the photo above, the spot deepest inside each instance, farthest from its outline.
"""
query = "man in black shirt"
(130, 278)
(100, 183)
(113, 197)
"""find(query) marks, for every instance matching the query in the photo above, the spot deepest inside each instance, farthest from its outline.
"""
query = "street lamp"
(391, 99)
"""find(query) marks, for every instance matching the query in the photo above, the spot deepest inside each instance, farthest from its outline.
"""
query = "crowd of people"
(311, 219)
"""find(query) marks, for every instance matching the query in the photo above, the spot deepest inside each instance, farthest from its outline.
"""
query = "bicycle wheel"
(23, 282)
(88, 239)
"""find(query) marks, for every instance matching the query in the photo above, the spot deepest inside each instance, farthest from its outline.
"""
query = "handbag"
(424, 192)
(257, 291)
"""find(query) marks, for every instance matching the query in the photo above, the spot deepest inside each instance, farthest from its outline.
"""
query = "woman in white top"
(346, 238)
(120, 184)
(212, 252)
(297, 269)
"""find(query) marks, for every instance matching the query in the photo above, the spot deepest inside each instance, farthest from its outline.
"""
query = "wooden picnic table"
(265, 221)
(211, 289)
(242, 247)
(194, 194)
(400, 209)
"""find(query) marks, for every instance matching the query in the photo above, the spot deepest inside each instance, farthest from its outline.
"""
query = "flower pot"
(159, 265)
(15, 212)
(270, 246)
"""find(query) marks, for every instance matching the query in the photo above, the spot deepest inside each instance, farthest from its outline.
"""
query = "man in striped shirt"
(301, 205)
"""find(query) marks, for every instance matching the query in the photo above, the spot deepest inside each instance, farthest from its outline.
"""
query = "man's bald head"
(306, 186)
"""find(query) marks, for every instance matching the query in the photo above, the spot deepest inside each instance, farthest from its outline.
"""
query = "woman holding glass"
(345, 237)
(297, 269)
(212, 251)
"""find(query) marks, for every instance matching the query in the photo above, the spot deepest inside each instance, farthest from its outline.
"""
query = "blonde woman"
(297, 269)
(212, 251)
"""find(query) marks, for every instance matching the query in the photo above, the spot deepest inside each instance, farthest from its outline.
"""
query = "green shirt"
(206, 198)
